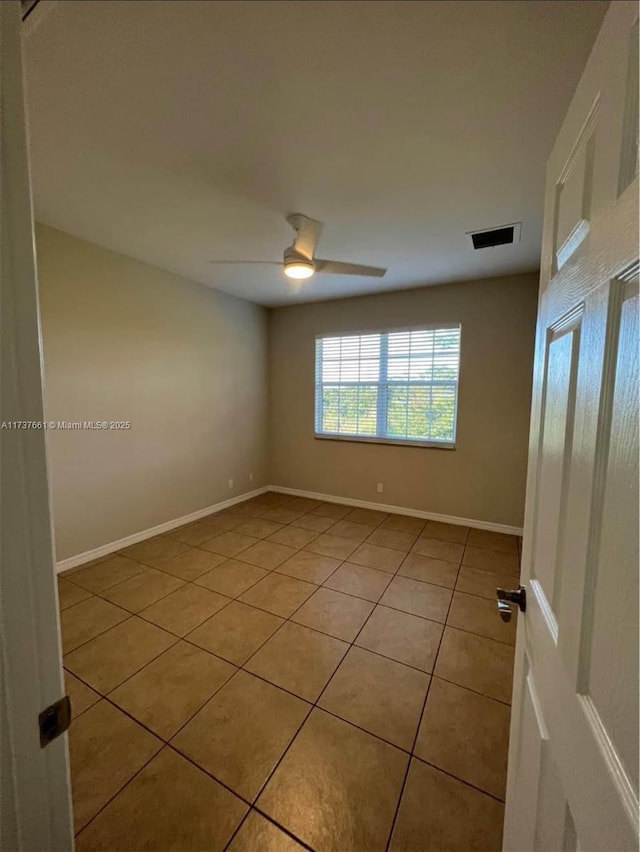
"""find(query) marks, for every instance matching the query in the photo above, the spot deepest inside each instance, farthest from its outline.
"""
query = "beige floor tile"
(295, 537)
(171, 806)
(169, 690)
(394, 539)
(229, 543)
(278, 594)
(270, 499)
(446, 532)
(334, 613)
(183, 610)
(104, 575)
(404, 523)
(258, 527)
(337, 787)
(81, 696)
(143, 590)
(236, 632)
(112, 657)
(232, 578)
(191, 564)
(244, 510)
(378, 687)
(332, 545)
(305, 504)
(309, 566)
(70, 594)
(438, 549)
(479, 615)
(193, 534)
(403, 637)
(476, 581)
(298, 659)
(87, 619)
(492, 560)
(221, 522)
(493, 541)
(267, 554)
(380, 558)
(348, 529)
(106, 749)
(265, 501)
(331, 510)
(317, 523)
(360, 581)
(242, 732)
(429, 570)
(466, 735)
(372, 517)
(282, 515)
(480, 664)
(159, 547)
(418, 598)
(379, 695)
(451, 815)
(258, 834)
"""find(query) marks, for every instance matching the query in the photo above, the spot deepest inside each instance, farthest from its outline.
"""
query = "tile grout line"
(178, 640)
(237, 598)
(351, 644)
(424, 706)
(185, 638)
(314, 705)
(237, 557)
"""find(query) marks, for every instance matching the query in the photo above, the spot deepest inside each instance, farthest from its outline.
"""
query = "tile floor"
(290, 674)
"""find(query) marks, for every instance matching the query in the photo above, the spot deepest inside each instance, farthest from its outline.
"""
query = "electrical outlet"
(231, 483)
(380, 487)
(250, 477)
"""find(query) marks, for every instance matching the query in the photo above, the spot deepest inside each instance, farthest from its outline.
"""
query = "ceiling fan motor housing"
(293, 256)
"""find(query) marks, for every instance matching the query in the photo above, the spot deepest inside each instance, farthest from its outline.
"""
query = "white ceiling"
(181, 132)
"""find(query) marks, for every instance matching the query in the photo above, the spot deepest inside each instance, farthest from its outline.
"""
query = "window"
(391, 386)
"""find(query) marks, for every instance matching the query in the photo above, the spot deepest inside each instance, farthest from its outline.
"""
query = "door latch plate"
(54, 720)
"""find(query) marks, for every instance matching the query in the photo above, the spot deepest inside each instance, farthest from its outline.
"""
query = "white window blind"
(389, 386)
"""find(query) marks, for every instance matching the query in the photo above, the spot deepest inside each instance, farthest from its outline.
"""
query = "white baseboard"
(106, 549)
(112, 547)
(400, 510)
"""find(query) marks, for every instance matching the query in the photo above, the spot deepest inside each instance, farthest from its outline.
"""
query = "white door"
(35, 802)
(573, 760)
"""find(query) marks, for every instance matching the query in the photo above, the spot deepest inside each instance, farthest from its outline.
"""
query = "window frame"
(378, 439)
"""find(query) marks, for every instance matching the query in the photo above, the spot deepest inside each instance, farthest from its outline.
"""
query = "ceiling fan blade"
(244, 262)
(307, 234)
(337, 267)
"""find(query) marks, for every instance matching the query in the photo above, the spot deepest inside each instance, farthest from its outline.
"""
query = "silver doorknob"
(511, 596)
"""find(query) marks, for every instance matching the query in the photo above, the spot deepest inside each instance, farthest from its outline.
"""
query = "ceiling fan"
(299, 259)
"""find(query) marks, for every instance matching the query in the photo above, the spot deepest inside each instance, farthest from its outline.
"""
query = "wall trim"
(113, 546)
(400, 510)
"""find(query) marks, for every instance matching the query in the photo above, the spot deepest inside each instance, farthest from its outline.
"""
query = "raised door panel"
(608, 671)
(556, 439)
(573, 193)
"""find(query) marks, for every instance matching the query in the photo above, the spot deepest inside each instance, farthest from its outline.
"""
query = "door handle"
(511, 596)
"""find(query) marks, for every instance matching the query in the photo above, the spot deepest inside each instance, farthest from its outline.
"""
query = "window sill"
(361, 439)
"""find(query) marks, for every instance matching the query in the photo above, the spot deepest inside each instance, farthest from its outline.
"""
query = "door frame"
(36, 801)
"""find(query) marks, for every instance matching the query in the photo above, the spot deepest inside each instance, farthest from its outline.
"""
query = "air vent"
(501, 236)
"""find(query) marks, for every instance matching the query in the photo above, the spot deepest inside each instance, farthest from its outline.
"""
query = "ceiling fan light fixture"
(298, 269)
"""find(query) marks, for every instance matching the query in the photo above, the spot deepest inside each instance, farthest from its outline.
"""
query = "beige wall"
(484, 477)
(184, 363)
